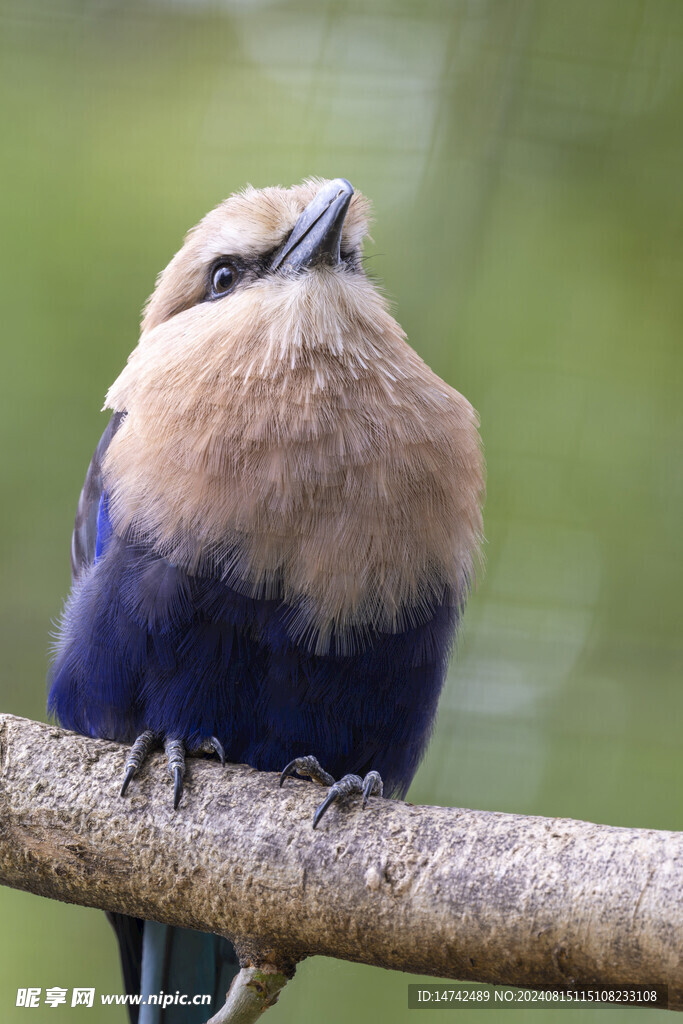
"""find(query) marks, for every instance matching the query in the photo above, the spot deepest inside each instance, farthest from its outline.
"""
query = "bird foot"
(139, 753)
(175, 753)
(309, 766)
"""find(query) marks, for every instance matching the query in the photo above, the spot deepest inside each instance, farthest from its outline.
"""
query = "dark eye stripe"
(230, 272)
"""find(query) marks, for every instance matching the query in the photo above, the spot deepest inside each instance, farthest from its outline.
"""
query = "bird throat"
(294, 445)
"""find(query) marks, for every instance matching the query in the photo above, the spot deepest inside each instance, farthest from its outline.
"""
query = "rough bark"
(441, 891)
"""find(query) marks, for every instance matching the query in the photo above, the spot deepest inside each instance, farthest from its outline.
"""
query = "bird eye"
(224, 277)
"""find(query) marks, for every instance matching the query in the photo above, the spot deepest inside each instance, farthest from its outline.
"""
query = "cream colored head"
(245, 230)
(284, 436)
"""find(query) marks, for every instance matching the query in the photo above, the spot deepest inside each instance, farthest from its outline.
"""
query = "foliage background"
(525, 160)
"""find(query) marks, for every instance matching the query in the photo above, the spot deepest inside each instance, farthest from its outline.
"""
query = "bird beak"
(316, 236)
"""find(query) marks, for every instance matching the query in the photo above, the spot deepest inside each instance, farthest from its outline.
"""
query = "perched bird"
(279, 527)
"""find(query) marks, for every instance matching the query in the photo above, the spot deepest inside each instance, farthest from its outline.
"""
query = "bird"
(278, 530)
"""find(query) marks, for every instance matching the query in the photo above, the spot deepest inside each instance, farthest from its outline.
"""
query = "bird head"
(277, 419)
(274, 240)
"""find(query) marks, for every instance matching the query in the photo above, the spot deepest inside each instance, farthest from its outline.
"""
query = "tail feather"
(174, 970)
(129, 932)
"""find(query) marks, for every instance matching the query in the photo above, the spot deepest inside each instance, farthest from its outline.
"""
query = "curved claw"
(137, 756)
(290, 769)
(126, 782)
(308, 766)
(372, 785)
(330, 798)
(343, 788)
(177, 787)
(175, 752)
(218, 747)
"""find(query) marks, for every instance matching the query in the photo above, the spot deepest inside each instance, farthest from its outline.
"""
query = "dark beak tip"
(316, 236)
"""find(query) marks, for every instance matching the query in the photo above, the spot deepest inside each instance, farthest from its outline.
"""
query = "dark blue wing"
(84, 537)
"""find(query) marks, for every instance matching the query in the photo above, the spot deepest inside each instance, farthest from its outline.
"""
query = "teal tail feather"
(181, 975)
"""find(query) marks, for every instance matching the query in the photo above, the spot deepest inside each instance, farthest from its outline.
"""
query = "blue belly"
(146, 646)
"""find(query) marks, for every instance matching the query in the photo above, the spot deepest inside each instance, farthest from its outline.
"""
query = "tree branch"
(460, 894)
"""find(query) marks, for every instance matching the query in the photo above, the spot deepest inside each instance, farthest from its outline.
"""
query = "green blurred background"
(525, 162)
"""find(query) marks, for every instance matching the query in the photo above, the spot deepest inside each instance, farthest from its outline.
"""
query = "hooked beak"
(316, 236)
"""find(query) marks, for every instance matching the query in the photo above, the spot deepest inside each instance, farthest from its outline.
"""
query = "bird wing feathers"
(84, 536)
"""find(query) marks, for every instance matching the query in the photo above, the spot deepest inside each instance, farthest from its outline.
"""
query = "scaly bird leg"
(139, 753)
(175, 752)
(371, 785)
